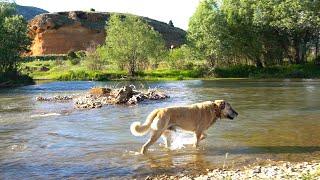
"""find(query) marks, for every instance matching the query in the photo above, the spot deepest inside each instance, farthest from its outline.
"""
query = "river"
(278, 120)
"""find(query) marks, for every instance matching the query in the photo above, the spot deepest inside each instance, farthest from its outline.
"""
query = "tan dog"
(196, 118)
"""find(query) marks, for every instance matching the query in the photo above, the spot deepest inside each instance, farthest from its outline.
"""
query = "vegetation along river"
(278, 120)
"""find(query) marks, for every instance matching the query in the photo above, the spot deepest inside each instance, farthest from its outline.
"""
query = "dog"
(195, 118)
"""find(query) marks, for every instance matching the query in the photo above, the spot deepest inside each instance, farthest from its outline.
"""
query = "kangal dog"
(196, 118)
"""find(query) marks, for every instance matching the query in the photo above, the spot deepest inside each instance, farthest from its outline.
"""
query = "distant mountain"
(29, 12)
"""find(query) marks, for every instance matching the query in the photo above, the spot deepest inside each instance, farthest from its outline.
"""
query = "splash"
(45, 115)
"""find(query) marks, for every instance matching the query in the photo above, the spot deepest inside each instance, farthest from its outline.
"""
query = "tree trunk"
(259, 63)
(317, 46)
(298, 52)
(212, 61)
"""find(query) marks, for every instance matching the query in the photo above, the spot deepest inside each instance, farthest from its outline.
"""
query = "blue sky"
(179, 11)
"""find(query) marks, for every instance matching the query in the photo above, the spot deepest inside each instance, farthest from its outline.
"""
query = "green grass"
(68, 70)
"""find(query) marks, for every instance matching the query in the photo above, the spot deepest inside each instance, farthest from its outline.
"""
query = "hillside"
(29, 12)
(59, 33)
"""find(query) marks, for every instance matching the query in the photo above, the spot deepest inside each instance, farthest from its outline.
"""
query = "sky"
(179, 11)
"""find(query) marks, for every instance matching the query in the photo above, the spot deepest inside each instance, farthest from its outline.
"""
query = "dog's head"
(224, 109)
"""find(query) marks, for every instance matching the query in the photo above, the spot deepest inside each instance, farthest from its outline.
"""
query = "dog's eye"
(223, 105)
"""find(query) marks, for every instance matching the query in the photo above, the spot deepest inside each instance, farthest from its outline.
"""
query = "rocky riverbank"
(97, 97)
(280, 170)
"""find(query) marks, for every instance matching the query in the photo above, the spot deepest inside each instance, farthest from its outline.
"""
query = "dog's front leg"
(166, 135)
(203, 136)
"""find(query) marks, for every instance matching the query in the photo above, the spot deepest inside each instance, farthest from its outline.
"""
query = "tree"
(171, 23)
(14, 39)
(264, 32)
(298, 20)
(131, 43)
(206, 27)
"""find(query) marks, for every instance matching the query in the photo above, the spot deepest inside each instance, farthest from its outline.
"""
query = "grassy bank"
(68, 70)
(65, 70)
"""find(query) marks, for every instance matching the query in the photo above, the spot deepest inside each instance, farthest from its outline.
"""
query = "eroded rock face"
(59, 33)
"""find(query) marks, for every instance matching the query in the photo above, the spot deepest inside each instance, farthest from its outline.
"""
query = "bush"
(290, 71)
(72, 55)
(74, 61)
(180, 58)
(93, 61)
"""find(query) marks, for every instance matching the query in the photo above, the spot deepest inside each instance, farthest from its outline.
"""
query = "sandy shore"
(280, 170)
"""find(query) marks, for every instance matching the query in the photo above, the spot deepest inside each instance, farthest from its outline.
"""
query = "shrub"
(93, 61)
(72, 55)
(74, 61)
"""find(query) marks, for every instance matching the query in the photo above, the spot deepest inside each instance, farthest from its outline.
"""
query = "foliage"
(13, 37)
(93, 61)
(180, 58)
(131, 43)
(266, 32)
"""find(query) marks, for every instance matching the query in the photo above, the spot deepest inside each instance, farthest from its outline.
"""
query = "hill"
(29, 12)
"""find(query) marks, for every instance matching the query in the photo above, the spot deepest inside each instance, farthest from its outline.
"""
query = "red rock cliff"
(58, 33)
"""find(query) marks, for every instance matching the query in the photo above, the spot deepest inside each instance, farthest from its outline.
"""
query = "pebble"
(281, 171)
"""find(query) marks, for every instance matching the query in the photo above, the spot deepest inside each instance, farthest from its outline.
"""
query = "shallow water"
(279, 120)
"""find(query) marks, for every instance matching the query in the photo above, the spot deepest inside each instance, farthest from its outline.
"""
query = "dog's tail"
(139, 130)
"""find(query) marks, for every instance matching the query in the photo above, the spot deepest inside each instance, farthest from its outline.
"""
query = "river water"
(278, 120)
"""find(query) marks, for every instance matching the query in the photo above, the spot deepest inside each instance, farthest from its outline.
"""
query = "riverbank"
(14, 80)
(275, 170)
(67, 70)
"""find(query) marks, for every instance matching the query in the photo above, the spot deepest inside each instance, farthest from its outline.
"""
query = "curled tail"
(139, 130)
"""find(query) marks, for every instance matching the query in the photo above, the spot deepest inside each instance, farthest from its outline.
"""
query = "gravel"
(284, 170)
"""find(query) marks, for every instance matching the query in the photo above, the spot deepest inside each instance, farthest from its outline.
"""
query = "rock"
(124, 94)
(59, 33)
(97, 97)
(55, 98)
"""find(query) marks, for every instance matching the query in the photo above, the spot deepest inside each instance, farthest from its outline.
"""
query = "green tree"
(14, 39)
(206, 28)
(298, 20)
(132, 43)
(171, 23)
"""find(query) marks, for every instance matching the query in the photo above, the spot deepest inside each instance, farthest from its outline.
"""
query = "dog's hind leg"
(197, 138)
(166, 136)
(155, 135)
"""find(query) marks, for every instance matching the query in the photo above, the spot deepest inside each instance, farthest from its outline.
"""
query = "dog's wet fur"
(196, 118)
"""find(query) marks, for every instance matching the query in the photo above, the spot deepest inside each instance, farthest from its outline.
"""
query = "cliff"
(58, 33)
